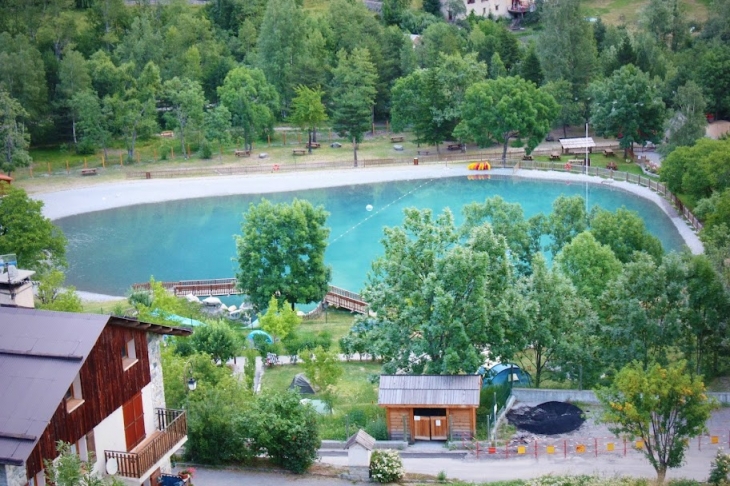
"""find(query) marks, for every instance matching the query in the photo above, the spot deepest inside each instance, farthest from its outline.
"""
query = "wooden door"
(422, 428)
(439, 428)
(133, 421)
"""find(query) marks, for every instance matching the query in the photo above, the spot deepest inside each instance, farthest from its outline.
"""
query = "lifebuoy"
(567, 166)
(276, 167)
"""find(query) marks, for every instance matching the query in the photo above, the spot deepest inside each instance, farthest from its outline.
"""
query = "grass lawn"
(337, 322)
(103, 307)
(356, 399)
(627, 12)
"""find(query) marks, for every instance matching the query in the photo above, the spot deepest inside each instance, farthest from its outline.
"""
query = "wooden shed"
(430, 407)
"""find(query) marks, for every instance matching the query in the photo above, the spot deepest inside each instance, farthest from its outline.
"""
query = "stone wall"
(154, 342)
(12, 475)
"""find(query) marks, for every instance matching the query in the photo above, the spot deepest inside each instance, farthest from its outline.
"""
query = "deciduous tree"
(497, 110)
(186, 99)
(308, 111)
(324, 370)
(590, 265)
(628, 106)
(14, 138)
(664, 407)
(281, 252)
(279, 320)
(37, 242)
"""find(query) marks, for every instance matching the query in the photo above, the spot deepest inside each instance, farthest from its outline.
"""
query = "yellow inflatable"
(480, 166)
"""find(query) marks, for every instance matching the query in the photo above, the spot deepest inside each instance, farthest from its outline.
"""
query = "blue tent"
(259, 332)
(499, 374)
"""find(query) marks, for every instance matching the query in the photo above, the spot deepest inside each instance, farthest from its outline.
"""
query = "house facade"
(90, 380)
(497, 8)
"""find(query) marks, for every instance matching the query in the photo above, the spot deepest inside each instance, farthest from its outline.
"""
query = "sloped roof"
(577, 143)
(429, 390)
(362, 438)
(41, 352)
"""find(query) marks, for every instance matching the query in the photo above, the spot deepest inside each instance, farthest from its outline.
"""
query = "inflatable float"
(480, 166)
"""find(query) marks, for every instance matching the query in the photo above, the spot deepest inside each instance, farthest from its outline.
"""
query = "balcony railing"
(172, 427)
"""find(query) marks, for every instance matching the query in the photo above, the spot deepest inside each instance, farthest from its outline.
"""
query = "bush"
(206, 152)
(86, 147)
(720, 469)
(386, 466)
(378, 429)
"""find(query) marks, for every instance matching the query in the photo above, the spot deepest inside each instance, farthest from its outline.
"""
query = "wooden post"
(67, 171)
(268, 138)
(188, 150)
(103, 161)
(154, 155)
(387, 126)
(31, 170)
(172, 153)
(84, 162)
(120, 160)
(283, 134)
(49, 168)
(138, 157)
(373, 129)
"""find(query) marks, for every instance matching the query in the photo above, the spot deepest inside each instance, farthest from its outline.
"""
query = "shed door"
(439, 428)
(422, 427)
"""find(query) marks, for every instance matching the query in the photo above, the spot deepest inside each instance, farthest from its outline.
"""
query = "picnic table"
(88, 172)
(527, 157)
(576, 161)
(424, 152)
(454, 146)
(608, 152)
(242, 153)
(313, 145)
(396, 139)
(612, 166)
(299, 152)
(554, 156)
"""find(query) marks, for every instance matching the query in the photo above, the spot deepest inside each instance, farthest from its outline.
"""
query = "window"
(129, 353)
(133, 421)
(73, 396)
(471, 1)
(496, 7)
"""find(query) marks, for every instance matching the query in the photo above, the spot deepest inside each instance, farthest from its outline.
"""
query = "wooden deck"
(336, 296)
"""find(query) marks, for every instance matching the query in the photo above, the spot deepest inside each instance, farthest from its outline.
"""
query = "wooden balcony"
(172, 427)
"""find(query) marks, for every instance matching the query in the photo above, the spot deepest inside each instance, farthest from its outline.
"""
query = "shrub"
(720, 469)
(378, 429)
(206, 152)
(386, 466)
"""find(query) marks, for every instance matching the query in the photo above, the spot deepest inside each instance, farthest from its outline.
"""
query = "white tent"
(212, 301)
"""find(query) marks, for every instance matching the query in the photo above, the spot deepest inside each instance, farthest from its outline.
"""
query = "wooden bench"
(242, 153)
(424, 152)
(299, 152)
(168, 134)
(608, 153)
(527, 157)
(314, 145)
(612, 166)
(88, 172)
(576, 161)
(454, 146)
(554, 156)
(396, 139)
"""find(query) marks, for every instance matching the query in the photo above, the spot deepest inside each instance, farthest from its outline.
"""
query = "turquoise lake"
(194, 239)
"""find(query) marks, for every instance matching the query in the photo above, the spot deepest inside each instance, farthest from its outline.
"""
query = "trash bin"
(147, 175)
(415, 161)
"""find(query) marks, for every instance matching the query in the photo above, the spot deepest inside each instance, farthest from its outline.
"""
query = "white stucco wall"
(357, 455)
(109, 436)
(498, 8)
(150, 421)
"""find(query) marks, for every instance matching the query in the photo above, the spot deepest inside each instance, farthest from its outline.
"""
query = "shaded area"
(548, 418)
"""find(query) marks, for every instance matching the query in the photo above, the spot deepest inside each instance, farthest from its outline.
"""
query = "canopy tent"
(576, 144)
(186, 321)
(505, 373)
(302, 384)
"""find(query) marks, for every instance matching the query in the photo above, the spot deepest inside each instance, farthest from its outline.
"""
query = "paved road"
(232, 477)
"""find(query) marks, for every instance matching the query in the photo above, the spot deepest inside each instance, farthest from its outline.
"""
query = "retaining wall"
(540, 395)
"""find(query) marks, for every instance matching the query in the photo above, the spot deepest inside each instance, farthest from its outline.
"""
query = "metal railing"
(172, 428)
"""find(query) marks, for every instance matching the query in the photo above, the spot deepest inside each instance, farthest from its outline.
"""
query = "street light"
(192, 384)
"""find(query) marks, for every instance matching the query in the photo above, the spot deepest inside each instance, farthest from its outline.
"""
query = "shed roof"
(41, 352)
(429, 390)
(577, 143)
(362, 438)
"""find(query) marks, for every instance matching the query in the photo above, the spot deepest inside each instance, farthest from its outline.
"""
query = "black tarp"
(548, 418)
(301, 383)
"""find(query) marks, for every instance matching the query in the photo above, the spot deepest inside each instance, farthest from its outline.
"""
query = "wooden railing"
(172, 428)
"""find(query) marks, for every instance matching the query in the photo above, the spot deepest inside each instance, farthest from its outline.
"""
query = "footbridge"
(335, 297)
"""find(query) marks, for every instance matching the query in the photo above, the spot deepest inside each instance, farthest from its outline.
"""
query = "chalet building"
(498, 8)
(430, 407)
(91, 380)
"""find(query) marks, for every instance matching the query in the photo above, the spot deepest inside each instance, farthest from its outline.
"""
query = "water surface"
(193, 239)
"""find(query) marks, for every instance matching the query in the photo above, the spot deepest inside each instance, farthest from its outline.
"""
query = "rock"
(263, 155)
(399, 148)
(335, 145)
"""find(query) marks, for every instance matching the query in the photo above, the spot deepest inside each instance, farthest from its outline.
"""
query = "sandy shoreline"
(70, 202)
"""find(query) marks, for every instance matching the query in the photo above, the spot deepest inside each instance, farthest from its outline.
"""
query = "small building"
(577, 145)
(359, 447)
(90, 380)
(430, 407)
(16, 287)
